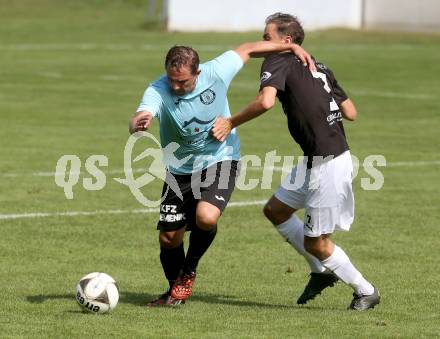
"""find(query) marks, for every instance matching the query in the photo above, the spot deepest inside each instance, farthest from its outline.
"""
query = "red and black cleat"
(182, 288)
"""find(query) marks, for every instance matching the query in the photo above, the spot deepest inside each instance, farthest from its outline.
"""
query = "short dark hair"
(287, 25)
(179, 56)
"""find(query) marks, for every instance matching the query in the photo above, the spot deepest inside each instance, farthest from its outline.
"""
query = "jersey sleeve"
(151, 102)
(273, 73)
(226, 66)
(338, 92)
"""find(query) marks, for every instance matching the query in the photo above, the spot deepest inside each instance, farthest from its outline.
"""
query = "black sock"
(172, 260)
(199, 242)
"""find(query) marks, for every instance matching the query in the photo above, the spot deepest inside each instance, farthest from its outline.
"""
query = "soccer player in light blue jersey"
(187, 100)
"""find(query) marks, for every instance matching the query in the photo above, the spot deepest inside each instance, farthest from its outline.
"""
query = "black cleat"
(365, 302)
(317, 283)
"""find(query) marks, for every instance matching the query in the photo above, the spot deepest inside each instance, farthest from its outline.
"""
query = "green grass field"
(72, 74)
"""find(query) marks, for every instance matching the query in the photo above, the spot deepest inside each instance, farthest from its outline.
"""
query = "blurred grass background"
(73, 72)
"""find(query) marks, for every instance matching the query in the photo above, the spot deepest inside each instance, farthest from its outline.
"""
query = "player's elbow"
(244, 51)
(349, 110)
(351, 115)
(266, 98)
(267, 102)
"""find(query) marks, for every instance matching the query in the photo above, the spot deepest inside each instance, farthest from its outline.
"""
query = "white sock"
(293, 231)
(339, 263)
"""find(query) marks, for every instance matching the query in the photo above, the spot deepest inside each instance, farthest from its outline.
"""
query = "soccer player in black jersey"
(314, 104)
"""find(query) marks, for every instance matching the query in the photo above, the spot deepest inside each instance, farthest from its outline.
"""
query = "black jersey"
(310, 102)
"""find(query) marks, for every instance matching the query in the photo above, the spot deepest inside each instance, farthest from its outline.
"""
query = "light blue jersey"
(187, 120)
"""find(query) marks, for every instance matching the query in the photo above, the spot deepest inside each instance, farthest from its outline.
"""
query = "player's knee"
(312, 246)
(206, 220)
(317, 247)
(168, 240)
(274, 216)
(268, 213)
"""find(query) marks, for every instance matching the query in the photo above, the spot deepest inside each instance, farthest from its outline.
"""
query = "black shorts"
(214, 184)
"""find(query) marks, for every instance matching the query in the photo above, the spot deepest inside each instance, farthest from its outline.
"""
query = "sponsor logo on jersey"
(265, 76)
(172, 217)
(333, 117)
(168, 208)
(207, 97)
(200, 122)
(169, 214)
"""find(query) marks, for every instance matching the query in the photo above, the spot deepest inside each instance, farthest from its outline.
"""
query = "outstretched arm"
(262, 103)
(263, 48)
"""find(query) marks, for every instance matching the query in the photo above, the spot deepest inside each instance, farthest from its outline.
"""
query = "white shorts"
(324, 191)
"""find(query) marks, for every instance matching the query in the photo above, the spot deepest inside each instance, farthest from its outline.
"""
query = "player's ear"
(288, 39)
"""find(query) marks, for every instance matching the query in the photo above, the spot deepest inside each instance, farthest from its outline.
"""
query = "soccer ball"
(97, 293)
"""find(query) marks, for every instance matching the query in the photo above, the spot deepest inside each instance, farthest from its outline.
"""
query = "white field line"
(399, 95)
(420, 163)
(91, 213)
(154, 210)
(413, 163)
